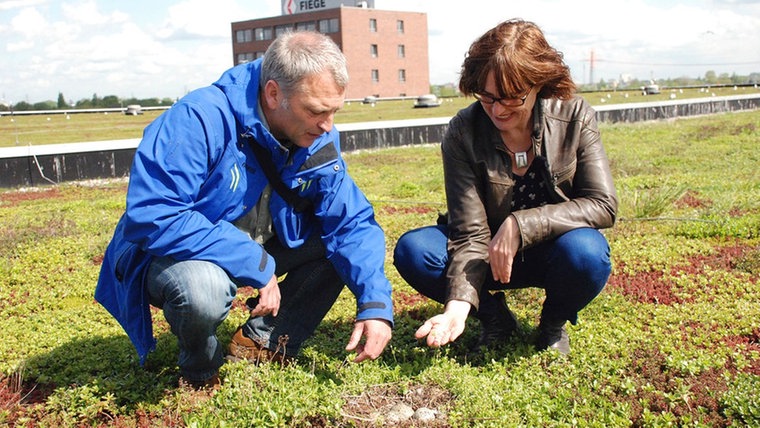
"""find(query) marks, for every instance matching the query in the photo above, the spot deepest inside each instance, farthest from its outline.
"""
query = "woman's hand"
(446, 327)
(502, 250)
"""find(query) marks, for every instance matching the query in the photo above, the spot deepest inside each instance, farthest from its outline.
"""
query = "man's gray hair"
(295, 55)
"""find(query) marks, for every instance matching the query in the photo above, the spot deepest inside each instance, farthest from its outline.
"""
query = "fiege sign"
(290, 7)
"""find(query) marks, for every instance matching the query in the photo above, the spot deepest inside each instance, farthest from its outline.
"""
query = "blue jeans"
(196, 296)
(572, 268)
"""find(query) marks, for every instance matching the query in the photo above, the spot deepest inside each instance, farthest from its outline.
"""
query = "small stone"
(424, 414)
(399, 413)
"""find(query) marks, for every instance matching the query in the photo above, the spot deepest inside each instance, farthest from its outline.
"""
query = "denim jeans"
(196, 296)
(572, 268)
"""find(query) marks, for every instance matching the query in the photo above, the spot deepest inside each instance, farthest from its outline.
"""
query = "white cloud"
(86, 13)
(201, 19)
(145, 48)
(29, 22)
(19, 46)
(16, 4)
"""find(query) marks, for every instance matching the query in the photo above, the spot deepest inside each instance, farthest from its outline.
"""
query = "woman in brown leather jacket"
(528, 185)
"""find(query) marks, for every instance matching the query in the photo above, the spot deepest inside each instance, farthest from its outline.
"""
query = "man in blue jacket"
(203, 218)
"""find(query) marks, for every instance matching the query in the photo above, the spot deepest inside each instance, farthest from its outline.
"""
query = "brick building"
(387, 51)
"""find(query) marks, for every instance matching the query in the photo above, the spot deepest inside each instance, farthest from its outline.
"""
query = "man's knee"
(202, 288)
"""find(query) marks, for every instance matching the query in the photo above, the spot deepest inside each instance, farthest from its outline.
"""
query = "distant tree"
(110, 101)
(95, 101)
(723, 78)
(61, 101)
(711, 77)
(681, 81)
(45, 105)
(23, 106)
(84, 103)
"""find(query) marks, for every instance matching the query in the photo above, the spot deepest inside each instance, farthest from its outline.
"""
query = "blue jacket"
(193, 176)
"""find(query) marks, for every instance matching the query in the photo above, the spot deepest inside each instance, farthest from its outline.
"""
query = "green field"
(22, 130)
(673, 340)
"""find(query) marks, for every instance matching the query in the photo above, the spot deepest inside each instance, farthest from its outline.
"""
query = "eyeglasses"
(505, 101)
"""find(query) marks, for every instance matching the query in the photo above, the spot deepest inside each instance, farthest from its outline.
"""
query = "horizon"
(626, 87)
(142, 49)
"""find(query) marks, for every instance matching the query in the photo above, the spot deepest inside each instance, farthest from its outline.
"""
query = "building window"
(402, 75)
(329, 25)
(306, 26)
(375, 76)
(282, 29)
(242, 58)
(401, 51)
(373, 51)
(400, 26)
(263, 34)
(373, 25)
(243, 36)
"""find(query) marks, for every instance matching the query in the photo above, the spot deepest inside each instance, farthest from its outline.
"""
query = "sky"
(166, 48)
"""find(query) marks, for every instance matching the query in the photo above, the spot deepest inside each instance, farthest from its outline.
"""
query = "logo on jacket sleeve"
(235, 177)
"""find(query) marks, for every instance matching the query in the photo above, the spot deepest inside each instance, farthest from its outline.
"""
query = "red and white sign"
(290, 7)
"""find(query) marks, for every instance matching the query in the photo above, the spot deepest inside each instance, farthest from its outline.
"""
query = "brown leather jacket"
(478, 179)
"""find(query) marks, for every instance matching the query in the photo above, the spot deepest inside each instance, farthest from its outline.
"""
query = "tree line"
(108, 101)
(711, 78)
(112, 101)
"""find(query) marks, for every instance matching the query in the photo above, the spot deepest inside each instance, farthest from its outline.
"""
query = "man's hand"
(446, 327)
(377, 334)
(502, 250)
(269, 299)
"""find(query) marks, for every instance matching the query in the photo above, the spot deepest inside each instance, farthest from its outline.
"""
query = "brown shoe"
(244, 348)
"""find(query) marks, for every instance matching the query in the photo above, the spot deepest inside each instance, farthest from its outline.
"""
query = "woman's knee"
(405, 246)
(586, 252)
(420, 249)
(583, 243)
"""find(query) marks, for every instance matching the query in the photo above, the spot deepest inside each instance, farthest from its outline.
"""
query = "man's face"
(307, 113)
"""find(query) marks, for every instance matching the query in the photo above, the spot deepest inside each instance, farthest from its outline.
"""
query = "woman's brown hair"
(519, 56)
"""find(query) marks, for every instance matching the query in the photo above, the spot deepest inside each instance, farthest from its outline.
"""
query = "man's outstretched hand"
(377, 333)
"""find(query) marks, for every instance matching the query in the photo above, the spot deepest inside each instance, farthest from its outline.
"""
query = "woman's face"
(507, 114)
